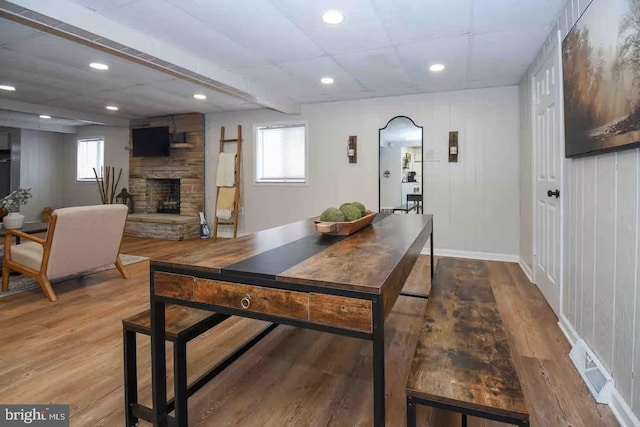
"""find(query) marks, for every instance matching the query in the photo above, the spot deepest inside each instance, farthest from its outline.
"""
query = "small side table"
(29, 228)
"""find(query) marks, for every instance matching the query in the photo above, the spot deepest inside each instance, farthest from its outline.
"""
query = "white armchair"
(78, 239)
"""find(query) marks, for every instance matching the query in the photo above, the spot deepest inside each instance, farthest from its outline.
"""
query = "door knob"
(553, 193)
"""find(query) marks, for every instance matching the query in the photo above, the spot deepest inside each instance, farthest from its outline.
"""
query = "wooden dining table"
(293, 275)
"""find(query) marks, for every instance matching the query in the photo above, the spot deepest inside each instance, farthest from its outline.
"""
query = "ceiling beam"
(100, 32)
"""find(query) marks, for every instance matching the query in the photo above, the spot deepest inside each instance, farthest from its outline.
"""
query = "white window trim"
(88, 180)
(256, 127)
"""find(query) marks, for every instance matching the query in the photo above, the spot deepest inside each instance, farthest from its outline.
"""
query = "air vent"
(597, 379)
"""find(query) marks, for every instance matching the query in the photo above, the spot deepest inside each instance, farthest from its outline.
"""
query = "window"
(281, 154)
(90, 155)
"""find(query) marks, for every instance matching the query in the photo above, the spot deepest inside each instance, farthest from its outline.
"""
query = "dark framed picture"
(601, 79)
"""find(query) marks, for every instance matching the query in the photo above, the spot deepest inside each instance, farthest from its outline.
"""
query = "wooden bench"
(462, 361)
(182, 324)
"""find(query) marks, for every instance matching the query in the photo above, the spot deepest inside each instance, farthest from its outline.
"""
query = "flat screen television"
(151, 142)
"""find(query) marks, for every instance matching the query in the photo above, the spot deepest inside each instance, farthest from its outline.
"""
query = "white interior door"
(548, 158)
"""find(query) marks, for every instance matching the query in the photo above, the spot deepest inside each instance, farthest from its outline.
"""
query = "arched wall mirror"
(400, 172)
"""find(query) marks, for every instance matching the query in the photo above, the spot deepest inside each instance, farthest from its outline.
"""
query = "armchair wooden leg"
(120, 268)
(5, 278)
(46, 288)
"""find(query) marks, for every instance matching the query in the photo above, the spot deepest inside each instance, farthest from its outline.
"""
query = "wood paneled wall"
(601, 268)
(41, 154)
(600, 296)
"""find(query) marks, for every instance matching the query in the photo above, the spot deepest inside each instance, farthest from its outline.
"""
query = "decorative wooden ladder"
(236, 181)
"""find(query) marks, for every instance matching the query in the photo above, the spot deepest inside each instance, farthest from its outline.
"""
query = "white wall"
(474, 202)
(601, 285)
(41, 156)
(115, 154)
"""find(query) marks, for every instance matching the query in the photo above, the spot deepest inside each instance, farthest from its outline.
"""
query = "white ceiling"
(382, 49)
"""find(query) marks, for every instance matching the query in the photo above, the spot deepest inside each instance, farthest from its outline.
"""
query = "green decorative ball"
(332, 215)
(360, 206)
(351, 212)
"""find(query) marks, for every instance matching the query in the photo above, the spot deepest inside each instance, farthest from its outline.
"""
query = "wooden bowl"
(345, 228)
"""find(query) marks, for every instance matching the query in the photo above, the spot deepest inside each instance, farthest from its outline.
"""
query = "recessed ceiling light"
(44, 116)
(7, 87)
(436, 68)
(326, 80)
(99, 66)
(112, 108)
(199, 96)
(333, 17)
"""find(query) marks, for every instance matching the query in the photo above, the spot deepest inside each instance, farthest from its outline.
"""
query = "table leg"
(431, 252)
(130, 376)
(158, 363)
(378, 363)
(180, 394)
(411, 412)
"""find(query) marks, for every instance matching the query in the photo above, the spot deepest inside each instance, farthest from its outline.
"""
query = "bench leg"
(180, 382)
(130, 376)
(411, 412)
(378, 364)
(464, 420)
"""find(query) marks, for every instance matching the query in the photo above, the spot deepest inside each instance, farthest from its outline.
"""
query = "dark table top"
(371, 260)
(29, 228)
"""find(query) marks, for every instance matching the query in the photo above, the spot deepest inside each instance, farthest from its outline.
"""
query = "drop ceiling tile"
(505, 55)
(35, 118)
(184, 91)
(255, 24)
(101, 5)
(169, 24)
(281, 81)
(410, 20)
(309, 71)
(376, 68)
(57, 55)
(11, 32)
(509, 15)
(361, 29)
(453, 52)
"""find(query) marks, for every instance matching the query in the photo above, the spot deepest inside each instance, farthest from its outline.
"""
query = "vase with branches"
(11, 203)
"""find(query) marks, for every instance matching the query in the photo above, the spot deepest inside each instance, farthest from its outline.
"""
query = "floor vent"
(593, 373)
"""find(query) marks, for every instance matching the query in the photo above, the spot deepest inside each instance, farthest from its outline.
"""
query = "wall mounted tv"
(151, 142)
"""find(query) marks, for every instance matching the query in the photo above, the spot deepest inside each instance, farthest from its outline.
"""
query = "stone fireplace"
(168, 192)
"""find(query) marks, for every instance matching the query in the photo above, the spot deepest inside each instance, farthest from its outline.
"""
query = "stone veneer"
(186, 164)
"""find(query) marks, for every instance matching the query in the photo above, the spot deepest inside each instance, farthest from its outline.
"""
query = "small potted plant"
(11, 204)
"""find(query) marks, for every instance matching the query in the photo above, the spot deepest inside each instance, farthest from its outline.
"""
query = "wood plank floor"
(71, 352)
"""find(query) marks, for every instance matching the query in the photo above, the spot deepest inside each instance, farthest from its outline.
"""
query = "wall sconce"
(352, 149)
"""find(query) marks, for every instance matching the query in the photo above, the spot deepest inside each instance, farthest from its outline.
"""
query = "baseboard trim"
(622, 411)
(618, 406)
(472, 255)
(567, 329)
(526, 269)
